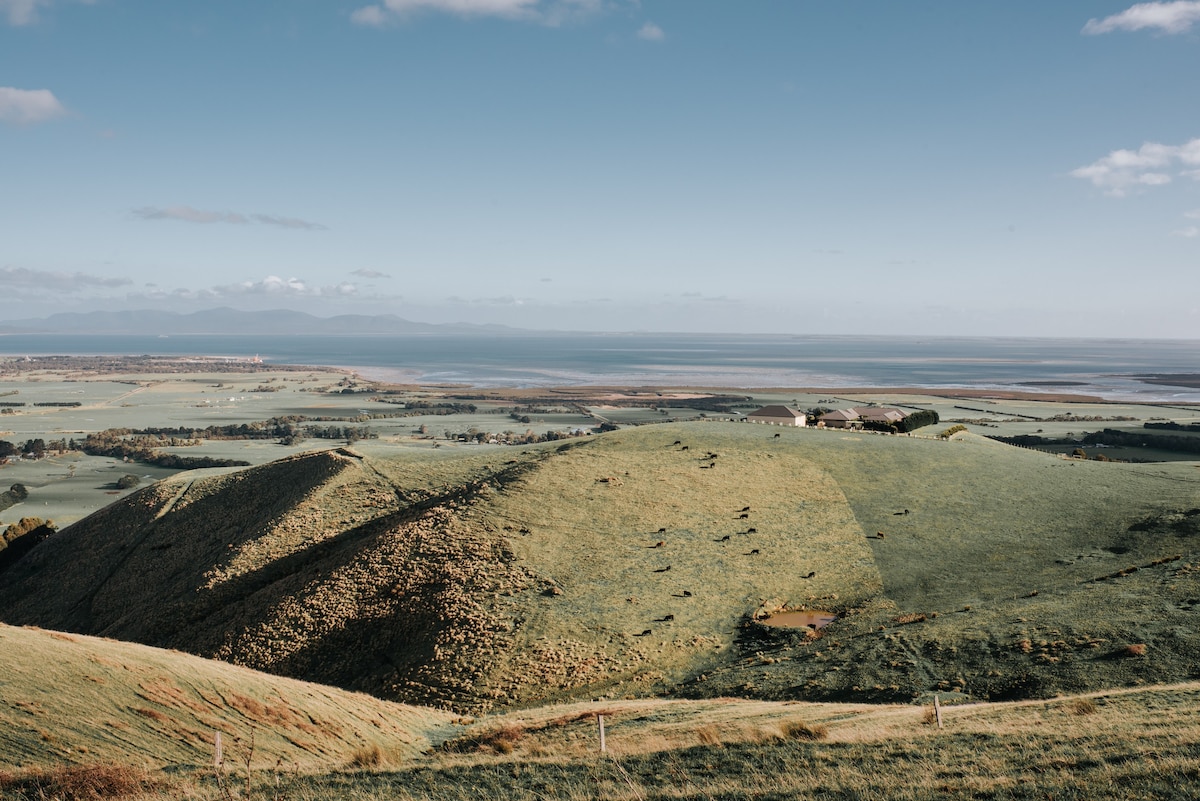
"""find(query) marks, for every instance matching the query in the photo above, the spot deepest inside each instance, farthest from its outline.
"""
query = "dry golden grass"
(1137, 743)
(81, 782)
(154, 708)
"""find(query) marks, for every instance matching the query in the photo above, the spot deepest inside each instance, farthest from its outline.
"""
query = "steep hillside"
(315, 567)
(74, 699)
(639, 562)
(459, 581)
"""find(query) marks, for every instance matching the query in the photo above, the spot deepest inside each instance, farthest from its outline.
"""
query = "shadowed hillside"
(638, 562)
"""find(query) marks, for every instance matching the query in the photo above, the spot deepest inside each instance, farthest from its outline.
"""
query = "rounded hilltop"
(637, 562)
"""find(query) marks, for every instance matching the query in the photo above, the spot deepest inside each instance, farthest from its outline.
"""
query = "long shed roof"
(777, 411)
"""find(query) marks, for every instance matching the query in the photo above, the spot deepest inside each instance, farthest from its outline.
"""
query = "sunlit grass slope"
(72, 699)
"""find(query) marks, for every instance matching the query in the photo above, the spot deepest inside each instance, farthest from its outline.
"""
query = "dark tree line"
(1110, 436)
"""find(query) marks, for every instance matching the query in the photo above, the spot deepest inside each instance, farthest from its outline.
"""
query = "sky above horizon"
(999, 169)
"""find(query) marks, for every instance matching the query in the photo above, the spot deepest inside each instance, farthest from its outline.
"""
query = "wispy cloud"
(272, 286)
(651, 33)
(501, 300)
(1175, 17)
(275, 286)
(286, 222)
(28, 106)
(16, 277)
(546, 12)
(25, 12)
(1189, 231)
(365, 273)
(20, 12)
(1150, 165)
(189, 214)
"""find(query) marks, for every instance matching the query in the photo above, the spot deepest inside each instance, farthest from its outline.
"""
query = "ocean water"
(1087, 366)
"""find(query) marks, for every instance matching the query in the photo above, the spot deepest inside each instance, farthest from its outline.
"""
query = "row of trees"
(36, 448)
(511, 437)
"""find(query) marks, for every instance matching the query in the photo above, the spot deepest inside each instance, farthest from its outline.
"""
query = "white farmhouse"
(777, 416)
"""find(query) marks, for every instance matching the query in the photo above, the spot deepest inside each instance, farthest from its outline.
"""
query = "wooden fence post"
(937, 710)
(600, 723)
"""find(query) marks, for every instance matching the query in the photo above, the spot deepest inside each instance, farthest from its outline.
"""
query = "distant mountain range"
(233, 321)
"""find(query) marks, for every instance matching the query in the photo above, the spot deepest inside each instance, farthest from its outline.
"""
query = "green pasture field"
(198, 400)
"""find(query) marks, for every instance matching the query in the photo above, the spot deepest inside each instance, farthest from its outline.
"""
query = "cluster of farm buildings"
(855, 417)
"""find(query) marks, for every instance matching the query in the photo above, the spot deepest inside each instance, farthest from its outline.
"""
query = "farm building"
(777, 416)
(880, 414)
(840, 418)
(854, 418)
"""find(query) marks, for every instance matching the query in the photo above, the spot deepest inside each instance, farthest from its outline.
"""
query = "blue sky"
(1016, 168)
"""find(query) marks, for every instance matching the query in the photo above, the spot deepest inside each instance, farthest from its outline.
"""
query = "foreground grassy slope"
(1142, 743)
(71, 699)
(635, 563)
(1123, 744)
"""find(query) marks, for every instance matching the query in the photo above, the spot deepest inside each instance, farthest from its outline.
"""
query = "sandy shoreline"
(566, 386)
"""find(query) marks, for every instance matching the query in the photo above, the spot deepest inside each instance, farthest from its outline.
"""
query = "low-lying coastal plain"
(272, 581)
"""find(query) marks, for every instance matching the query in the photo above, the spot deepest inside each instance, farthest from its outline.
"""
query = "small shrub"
(1134, 649)
(369, 756)
(500, 740)
(128, 481)
(1082, 706)
(799, 730)
(79, 782)
(951, 431)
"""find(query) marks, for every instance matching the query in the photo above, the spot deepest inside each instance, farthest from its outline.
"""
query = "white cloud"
(189, 214)
(272, 286)
(365, 273)
(369, 15)
(546, 12)
(28, 106)
(20, 12)
(24, 12)
(651, 33)
(1122, 170)
(1190, 231)
(1175, 17)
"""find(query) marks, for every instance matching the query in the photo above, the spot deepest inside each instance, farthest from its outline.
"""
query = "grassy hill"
(72, 699)
(118, 709)
(636, 563)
